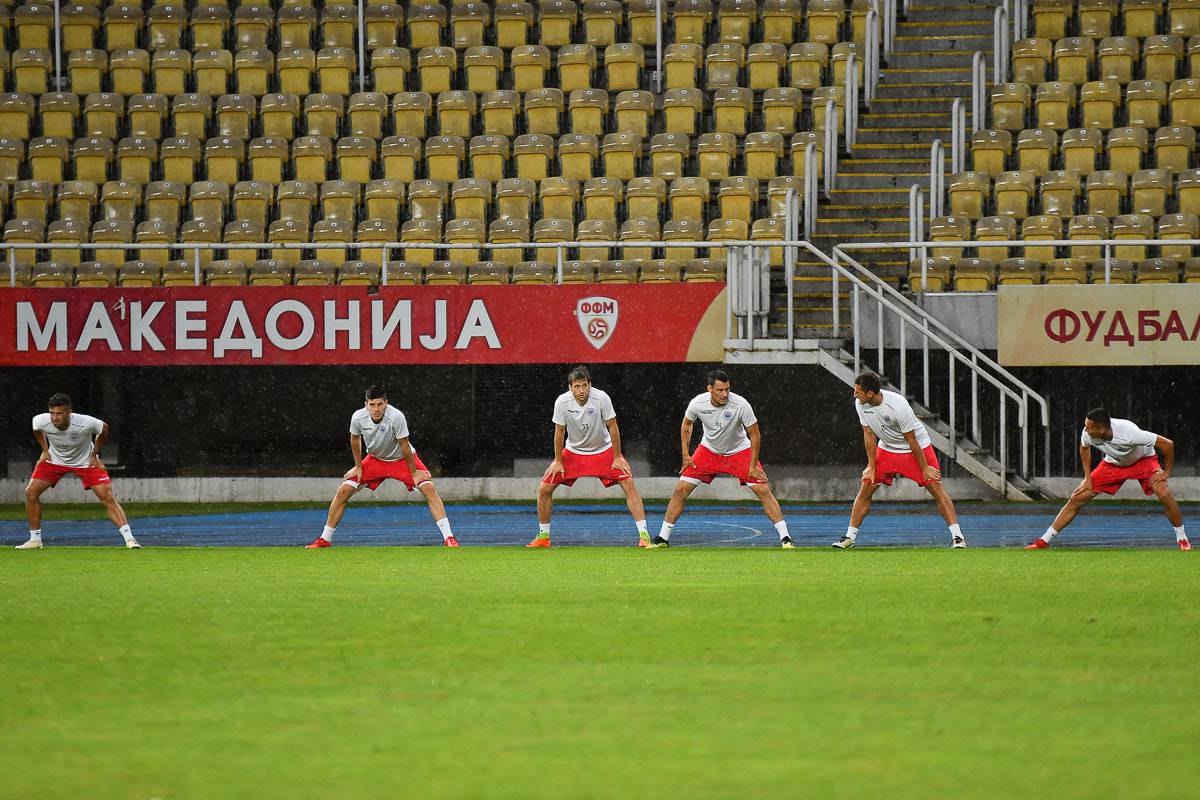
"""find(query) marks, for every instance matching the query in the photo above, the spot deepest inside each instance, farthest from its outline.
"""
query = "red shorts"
(375, 471)
(52, 473)
(888, 465)
(709, 465)
(598, 465)
(1108, 477)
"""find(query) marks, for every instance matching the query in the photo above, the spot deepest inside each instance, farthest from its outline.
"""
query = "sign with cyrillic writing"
(352, 325)
(1099, 326)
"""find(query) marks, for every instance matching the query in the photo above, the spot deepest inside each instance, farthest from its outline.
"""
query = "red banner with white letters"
(355, 325)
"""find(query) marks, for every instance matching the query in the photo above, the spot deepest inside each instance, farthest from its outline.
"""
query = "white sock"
(327, 533)
(35, 536)
(544, 529)
(781, 526)
(126, 534)
(1049, 534)
(1180, 534)
(640, 524)
(444, 526)
(851, 532)
(955, 530)
(665, 531)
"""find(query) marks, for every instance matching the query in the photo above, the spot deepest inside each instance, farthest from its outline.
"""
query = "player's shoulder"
(391, 412)
(359, 414)
(84, 420)
(738, 399)
(700, 399)
(41, 420)
(895, 399)
(598, 394)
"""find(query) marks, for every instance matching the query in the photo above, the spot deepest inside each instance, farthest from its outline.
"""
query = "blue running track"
(985, 525)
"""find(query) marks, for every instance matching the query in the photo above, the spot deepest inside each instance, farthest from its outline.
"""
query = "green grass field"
(597, 673)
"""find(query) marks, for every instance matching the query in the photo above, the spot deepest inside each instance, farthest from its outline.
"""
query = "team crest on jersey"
(597, 319)
(591, 411)
(728, 415)
(887, 419)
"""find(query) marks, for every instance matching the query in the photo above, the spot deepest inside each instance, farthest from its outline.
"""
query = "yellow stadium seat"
(529, 65)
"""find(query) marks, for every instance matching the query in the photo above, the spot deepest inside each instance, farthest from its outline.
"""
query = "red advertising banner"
(354, 325)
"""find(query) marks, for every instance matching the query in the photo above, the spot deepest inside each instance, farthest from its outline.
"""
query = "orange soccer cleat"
(540, 541)
(1038, 544)
(451, 541)
(1184, 544)
(318, 543)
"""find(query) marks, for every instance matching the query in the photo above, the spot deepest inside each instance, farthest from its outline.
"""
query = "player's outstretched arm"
(560, 441)
(41, 440)
(411, 460)
(870, 444)
(1085, 459)
(356, 449)
(930, 472)
(619, 461)
(755, 435)
(1167, 447)
(97, 447)
(685, 442)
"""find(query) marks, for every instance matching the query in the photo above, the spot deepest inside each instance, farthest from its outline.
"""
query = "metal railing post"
(383, 266)
(855, 305)
(958, 136)
(1107, 264)
(937, 177)
(12, 268)
(362, 45)
(58, 80)
(903, 359)
(879, 332)
(831, 146)
(1000, 45)
(915, 221)
(558, 258)
(196, 267)
(925, 361)
(1003, 445)
(978, 91)
(851, 118)
(789, 264)
(811, 168)
(751, 294)
(953, 409)
(976, 428)
(658, 46)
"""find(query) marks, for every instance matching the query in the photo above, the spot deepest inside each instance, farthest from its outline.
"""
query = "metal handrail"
(978, 91)
(960, 352)
(362, 46)
(937, 178)
(1000, 45)
(851, 121)
(871, 57)
(831, 146)
(811, 168)
(958, 136)
(658, 47)
(916, 222)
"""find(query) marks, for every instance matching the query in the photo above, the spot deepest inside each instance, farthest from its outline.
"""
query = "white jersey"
(72, 447)
(724, 426)
(587, 429)
(382, 439)
(1128, 445)
(890, 420)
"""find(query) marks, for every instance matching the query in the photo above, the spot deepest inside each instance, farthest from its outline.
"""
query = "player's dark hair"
(868, 382)
(717, 375)
(376, 392)
(580, 373)
(1100, 415)
(59, 399)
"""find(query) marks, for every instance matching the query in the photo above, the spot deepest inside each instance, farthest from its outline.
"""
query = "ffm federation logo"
(597, 319)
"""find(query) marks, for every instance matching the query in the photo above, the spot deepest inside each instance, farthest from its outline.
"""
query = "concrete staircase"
(930, 66)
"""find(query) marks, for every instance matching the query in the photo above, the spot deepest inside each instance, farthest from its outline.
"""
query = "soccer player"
(587, 443)
(71, 445)
(729, 446)
(897, 444)
(384, 431)
(1129, 454)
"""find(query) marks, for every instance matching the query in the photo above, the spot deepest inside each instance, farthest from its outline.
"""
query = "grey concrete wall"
(829, 486)
(970, 315)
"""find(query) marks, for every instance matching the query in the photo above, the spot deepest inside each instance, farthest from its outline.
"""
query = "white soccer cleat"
(32, 544)
(958, 543)
(132, 544)
(845, 543)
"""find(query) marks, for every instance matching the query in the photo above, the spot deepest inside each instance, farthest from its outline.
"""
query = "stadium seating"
(201, 123)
